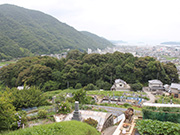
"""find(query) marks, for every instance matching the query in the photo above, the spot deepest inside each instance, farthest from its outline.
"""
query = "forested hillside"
(26, 32)
(101, 70)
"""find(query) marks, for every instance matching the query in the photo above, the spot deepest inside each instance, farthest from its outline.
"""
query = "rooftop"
(175, 86)
(155, 81)
(120, 81)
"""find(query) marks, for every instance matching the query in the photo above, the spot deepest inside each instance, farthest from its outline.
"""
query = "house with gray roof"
(175, 89)
(120, 84)
(155, 85)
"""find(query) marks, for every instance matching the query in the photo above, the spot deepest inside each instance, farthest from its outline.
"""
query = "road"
(109, 130)
(151, 96)
(114, 110)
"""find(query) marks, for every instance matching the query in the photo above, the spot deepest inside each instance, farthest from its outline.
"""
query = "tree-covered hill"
(25, 32)
(97, 39)
(101, 70)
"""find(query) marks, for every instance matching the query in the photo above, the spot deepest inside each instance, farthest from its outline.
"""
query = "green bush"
(90, 87)
(155, 127)
(42, 113)
(91, 122)
(51, 85)
(171, 114)
(70, 99)
(127, 105)
(80, 96)
(78, 86)
(136, 86)
(58, 128)
(64, 107)
(59, 98)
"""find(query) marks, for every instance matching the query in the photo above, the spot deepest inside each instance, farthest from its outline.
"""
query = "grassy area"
(110, 93)
(6, 62)
(167, 99)
(126, 105)
(50, 94)
(60, 128)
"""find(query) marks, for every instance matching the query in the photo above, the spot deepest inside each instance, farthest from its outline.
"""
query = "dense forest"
(101, 70)
(25, 32)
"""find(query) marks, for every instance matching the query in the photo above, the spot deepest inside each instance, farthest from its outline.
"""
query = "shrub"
(136, 86)
(126, 105)
(103, 85)
(42, 113)
(64, 107)
(90, 87)
(154, 127)
(80, 96)
(78, 86)
(50, 85)
(59, 98)
(70, 99)
(91, 122)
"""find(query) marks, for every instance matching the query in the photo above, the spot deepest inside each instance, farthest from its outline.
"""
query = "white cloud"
(115, 19)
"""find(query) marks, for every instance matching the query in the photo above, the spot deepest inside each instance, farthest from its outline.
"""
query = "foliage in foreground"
(154, 127)
(60, 128)
(7, 111)
(27, 97)
(91, 122)
(171, 114)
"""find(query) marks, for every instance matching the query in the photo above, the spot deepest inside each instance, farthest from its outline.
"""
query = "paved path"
(109, 130)
(114, 110)
(151, 96)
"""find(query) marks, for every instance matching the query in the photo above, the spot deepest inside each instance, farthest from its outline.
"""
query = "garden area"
(155, 127)
(167, 99)
(159, 121)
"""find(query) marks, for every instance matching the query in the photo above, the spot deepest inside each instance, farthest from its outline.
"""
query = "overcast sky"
(128, 20)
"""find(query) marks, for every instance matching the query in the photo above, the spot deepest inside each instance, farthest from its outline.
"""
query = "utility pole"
(67, 84)
(157, 75)
(111, 79)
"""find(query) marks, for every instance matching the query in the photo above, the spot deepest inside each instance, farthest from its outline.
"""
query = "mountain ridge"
(30, 32)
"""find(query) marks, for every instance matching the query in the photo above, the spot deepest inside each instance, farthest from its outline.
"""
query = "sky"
(148, 21)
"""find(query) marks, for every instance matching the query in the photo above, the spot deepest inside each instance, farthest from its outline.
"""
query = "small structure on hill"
(155, 85)
(175, 90)
(120, 85)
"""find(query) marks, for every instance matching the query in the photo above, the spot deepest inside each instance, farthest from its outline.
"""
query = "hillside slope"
(101, 41)
(60, 128)
(25, 32)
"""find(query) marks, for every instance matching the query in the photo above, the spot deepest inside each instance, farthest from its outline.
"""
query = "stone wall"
(109, 122)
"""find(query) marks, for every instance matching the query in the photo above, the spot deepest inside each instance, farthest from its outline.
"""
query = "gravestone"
(76, 114)
(53, 99)
(171, 101)
(109, 100)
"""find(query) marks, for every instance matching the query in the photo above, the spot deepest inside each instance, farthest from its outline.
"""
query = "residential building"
(155, 85)
(120, 85)
(175, 90)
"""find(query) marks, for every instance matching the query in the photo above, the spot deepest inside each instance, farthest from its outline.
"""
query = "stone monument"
(76, 114)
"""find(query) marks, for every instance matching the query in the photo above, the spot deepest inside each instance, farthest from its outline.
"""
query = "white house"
(120, 85)
(175, 89)
(155, 85)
